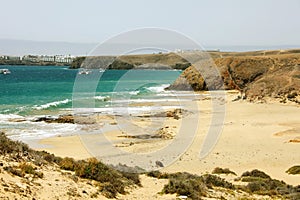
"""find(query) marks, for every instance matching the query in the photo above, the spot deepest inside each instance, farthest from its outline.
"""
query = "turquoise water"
(34, 90)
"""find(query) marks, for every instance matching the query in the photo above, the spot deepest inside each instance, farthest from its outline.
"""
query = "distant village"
(63, 59)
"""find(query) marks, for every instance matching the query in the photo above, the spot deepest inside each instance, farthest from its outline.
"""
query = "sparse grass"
(67, 164)
(219, 170)
(13, 171)
(23, 169)
(8, 146)
(110, 181)
(294, 170)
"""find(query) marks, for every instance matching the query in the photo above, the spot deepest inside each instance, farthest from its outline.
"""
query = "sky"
(209, 22)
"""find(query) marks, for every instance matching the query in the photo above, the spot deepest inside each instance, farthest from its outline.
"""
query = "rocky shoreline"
(257, 77)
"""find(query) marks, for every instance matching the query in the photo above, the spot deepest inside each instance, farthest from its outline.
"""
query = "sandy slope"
(249, 141)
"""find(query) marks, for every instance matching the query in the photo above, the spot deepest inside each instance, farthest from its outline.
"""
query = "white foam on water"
(102, 98)
(158, 89)
(147, 100)
(51, 104)
(123, 110)
(8, 117)
(136, 92)
(40, 130)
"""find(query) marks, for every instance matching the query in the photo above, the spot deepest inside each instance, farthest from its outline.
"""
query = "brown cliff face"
(275, 75)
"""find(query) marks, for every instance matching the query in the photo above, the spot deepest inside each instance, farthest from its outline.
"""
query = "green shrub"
(134, 177)
(23, 169)
(13, 171)
(8, 146)
(68, 164)
(215, 181)
(219, 170)
(251, 179)
(269, 187)
(294, 170)
(191, 185)
(193, 188)
(157, 174)
(261, 183)
(256, 173)
(111, 181)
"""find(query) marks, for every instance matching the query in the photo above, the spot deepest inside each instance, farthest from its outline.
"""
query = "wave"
(51, 104)
(102, 98)
(121, 110)
(33, 130)
(126, 101)
(136, 92)
(8, 117)
(158, 89)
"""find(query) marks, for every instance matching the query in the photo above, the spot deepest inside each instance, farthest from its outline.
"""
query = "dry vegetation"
(30, 166)
(196, 187)
(110, 182)
(219, 170)
(294, 170)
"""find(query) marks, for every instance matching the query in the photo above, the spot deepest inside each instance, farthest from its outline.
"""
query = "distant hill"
(143, 61)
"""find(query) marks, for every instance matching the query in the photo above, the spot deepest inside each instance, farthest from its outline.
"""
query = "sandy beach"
(262, 136)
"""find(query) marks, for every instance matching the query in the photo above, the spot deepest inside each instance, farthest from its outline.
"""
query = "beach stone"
(51, 119)
(159, 164)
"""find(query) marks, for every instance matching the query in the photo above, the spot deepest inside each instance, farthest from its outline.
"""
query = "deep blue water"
(37, 89)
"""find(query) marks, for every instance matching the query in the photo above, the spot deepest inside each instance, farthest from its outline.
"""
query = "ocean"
(31, 91)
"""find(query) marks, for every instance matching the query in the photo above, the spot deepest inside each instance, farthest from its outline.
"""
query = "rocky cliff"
(258, 75)
(145, 61)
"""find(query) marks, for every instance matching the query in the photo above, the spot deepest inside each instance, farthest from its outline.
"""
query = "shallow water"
(31, 91)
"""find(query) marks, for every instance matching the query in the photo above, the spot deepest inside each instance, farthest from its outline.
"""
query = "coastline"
(254, 136)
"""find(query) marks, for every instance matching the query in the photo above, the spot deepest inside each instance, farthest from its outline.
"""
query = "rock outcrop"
(258, 77)
(61, 119)
(145, 61)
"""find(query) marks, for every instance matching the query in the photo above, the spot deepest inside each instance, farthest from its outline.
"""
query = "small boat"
(4, 71)
(84, 71)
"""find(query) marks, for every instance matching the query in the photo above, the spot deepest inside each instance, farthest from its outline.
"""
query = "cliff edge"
(258, 75)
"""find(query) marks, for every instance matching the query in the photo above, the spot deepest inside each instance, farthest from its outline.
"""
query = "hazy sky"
(209, 22)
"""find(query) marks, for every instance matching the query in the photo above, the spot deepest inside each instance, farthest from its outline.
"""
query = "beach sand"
(254, 136)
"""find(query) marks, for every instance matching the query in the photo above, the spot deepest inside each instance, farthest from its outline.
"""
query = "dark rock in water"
(65, 119)
(47, 119)
(60, 119)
